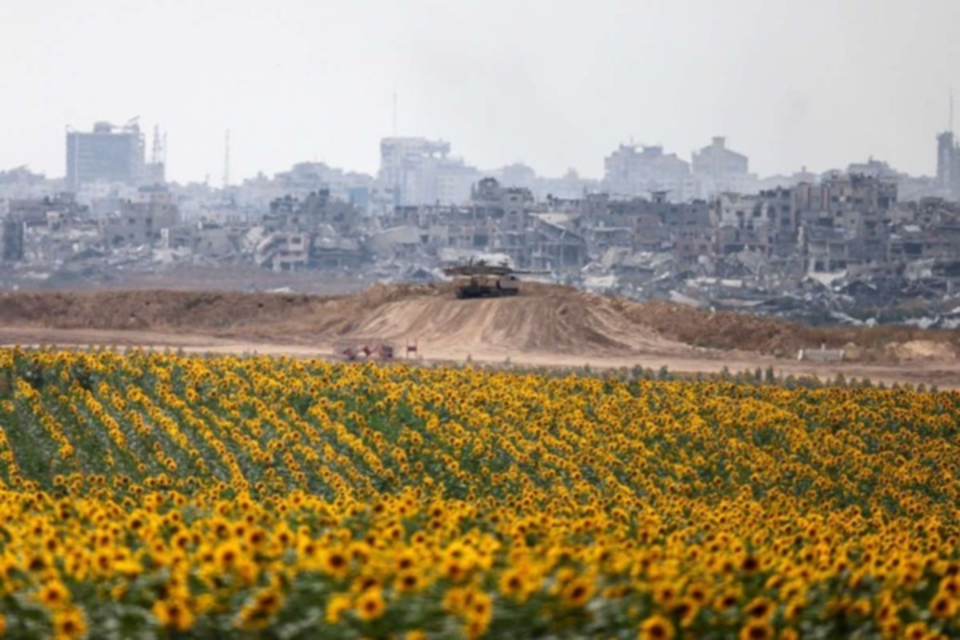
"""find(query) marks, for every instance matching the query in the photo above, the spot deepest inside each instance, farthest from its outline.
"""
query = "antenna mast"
(155, 152)
(394, 114)
(226, 161)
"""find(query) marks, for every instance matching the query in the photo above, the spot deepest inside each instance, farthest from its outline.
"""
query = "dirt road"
(943, 374)
(546, 326)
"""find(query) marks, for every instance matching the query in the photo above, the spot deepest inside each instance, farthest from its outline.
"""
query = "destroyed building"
(45, 211)
(817, 241)
(948, 165)
(309, 214)
(403, 242)
(11, 240)
(838, 222)
(746, 223)
(649, 225)
(555, 246)
(299, 251)
(506, 220)
(141, 221)
(842, 221)
(507, 212)
(284, 251)
(47, 229)
(212, 240)
(930, 231)
(315, 232)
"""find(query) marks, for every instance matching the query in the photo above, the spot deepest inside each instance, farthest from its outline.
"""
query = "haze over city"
(479, 319)
(557, 86)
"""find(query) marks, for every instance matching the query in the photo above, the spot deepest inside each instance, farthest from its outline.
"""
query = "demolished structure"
(842, 249)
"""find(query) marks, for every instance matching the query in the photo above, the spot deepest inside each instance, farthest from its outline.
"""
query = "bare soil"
(545, 326)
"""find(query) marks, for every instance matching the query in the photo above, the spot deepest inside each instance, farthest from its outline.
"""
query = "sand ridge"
(546, 321)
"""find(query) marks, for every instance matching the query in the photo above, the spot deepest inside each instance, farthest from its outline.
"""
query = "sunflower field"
(149, 495)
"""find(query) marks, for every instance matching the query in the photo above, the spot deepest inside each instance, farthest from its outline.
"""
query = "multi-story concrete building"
(929, 230)
(632, 173)
(142, 221)
(765, 222)
(284, 251)
(873, 168)
(517, 175)
(21, 183)
(315, 212)
(44, 212)
(653, 224)
(107, 154)
(420, 171)
(948, 165)
(310, 177)
(842, 221)
(717, 169)
(742, 223)
(569, 186)
(11, 240)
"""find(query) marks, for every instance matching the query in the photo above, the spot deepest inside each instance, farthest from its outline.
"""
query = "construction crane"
(478, 279)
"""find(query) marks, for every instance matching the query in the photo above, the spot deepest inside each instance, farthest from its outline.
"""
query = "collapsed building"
(316, 232)
(837, 223)
(143, 221)
(11, 240)
(843, 243)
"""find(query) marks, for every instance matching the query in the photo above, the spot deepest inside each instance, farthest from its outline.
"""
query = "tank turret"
(479, 279)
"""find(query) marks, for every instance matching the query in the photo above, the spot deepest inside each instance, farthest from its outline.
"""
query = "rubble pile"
(842, 251)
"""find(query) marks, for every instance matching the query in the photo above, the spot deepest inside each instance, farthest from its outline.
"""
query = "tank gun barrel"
(488, 270)
(478, 270)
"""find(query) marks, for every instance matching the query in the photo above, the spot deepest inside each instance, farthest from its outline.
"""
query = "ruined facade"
(834, 224)
(948, 165)
(314, 232)
(11, 240)
(142, 221)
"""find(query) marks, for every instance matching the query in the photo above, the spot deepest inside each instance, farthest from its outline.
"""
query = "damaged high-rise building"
(417, 171)
(11, 240)
(107, 154)
(948, 165)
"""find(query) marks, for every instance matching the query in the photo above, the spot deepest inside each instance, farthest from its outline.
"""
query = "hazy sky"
(556, 85)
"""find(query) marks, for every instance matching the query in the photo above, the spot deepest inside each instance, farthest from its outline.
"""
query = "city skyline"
(819, 86)
(148, 138)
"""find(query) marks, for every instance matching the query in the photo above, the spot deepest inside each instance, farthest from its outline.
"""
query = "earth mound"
(543, 319)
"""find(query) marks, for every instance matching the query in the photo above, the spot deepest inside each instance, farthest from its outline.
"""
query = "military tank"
(478, 279)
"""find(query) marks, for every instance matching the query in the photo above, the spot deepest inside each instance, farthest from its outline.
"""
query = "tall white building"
(107, 154)
(632, 172)
(718, 169)
(419, 171)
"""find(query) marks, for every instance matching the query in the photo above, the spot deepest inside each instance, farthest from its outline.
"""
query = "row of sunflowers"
(156, 495)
